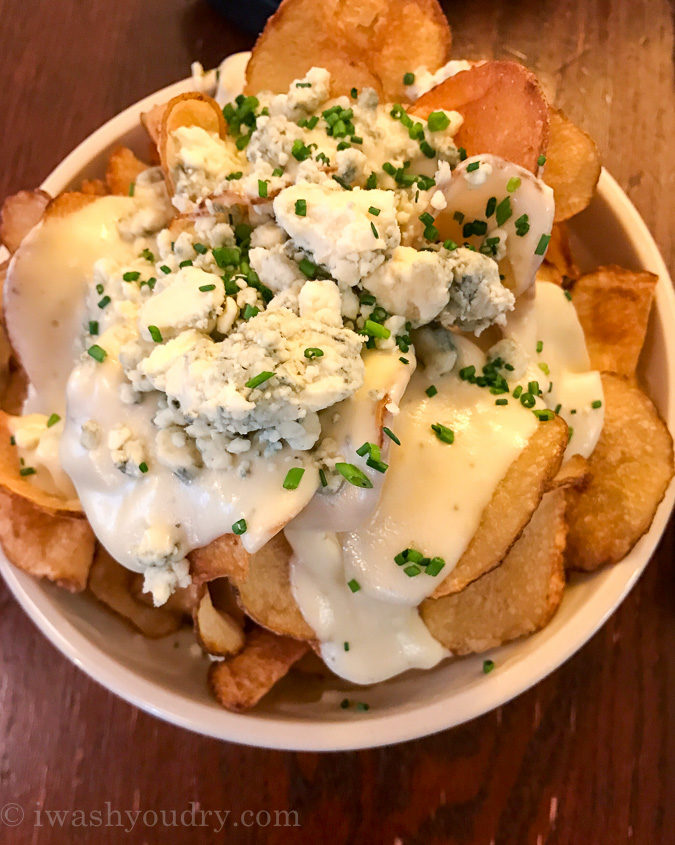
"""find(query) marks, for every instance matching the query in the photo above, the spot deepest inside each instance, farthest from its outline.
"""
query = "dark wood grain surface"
(588, 755)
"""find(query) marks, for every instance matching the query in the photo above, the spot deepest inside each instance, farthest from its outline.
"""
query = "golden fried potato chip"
(111, 583)
(96, 187)
(19, 213)
(629, 473)
(559, 253)
(45, 536)
(192, 109)
(152, 122)
(364, 43)
(504, 109)
(240, 682)
(15, 386)
(217, 632)
(573, 473)
(265, 594)
(224, 556)
(572, 166)
(122, 171)
(613, 305)
(517, 598)
(68, 203)
(511, 506)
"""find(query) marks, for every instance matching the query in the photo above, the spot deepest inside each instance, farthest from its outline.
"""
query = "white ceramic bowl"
(167, 678)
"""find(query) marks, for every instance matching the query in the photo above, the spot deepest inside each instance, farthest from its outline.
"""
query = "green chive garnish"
(374, 230)
(165, 269)
(261, 378)
(373, 329)
(301, 208)
(488, 666)
(374, 211)
(543, 243)
(27, 471)
(596, 404)
(262, 188)
(353, 475)
(200, 248)
(249, 311)
(390, 434)
(541, 161)
(503, 211)
(444, 434)
(432, 390)
(132, 276)
(354, 585)
(434, 566)
(313, 352)
(437, 121)
(143, 467)
(513, 184)
(206, 288)
(473, 166)
(132, 188)
(408, 78)
(540, 347)
(53, 419)
(155, 334)
(93, 327)
(239, 527)
(293, 478)
(308, 267)
(104, 302)
(97, 353)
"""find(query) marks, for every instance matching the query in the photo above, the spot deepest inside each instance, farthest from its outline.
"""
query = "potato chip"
(192, 109)
(517, 598)
(19, 213)
(95, 187)
(240, 682)
(152, 122)
(504, 109)
(613, 305)
(559, 254)
(265, 594)
(217, 632)
(572, 166)
(224, 556)
(15, 386)
(122, 170)
(573, 473)
(364, 43)
(111, 584)
(511, 506)
(68, 203)
(629, 473)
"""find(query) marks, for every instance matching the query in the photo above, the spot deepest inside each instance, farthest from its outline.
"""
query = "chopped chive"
(568, 295)
(186, 263)
(206, 288)
(527, 400)
(131, 276)
(427, 149)
(354, 585)
(501, 401)
(293, 478)
(278, 171)
(353, 475)
(412, 570)
(450, 245)
(473, 166)
(444, 434)
(322, 478)
(239, 527)
(143, 467)
(513, 184)
(353, 94)
(345, 646)
(490, 207)
(408, 78)
(437, 121)
(390, 434)
(362, 706)
(462, 153)
(488, 666)
(434, 566)
(53, 419)
(105, 301)
(374, 230)
(132, 188)
(148, 255)
(313, 352)
(596, 404)
(371, 182)
(165, 269)
(517, 392)
(249, 311)
(373, 329)
(27, 471)
(262, 188)
(543, 243)
(543, 416)
(432, 390)
(97, 353)
(301, 208)
(459, 217)
(540, 347)
(342, 182)
(226, 256)
(261, 378)
(543, 366)
(155, 334)
(503, 211)
(12, 440)
(403, 360)
(93, 326)
(541, 161)
(344, 704)
(522, 225)
(374, 211)
(233, 176)
(308, 267)
(200, 248)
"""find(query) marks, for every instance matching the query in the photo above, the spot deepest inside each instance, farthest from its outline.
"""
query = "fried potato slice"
(240, 682)
(111, 583)
(68, 203)
(630, 471)
(559, 253)
(40, 533)
(517, 598)
(15, 387)
(364, 43)
(217, 632)
(572, 166)
(574, 472)
(224, 556)
(193, 109)
(504, 108)
(122, 170)
(511, 506)
(152, 121)
(265, 594)
(19, 213)
(95, 187)
(613, 306)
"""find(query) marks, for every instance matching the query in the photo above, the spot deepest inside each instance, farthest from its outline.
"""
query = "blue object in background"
(249, 15)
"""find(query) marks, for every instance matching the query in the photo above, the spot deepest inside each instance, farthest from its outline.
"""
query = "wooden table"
(588, 754)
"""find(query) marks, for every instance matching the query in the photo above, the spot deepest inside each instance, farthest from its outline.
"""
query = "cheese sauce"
(432, 499)
(45, 292)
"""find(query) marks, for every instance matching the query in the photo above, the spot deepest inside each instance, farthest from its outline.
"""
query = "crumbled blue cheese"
(338, 230)
(126, 451)
(193, 299)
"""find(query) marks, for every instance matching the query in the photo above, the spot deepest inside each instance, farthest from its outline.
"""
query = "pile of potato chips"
(545, 517)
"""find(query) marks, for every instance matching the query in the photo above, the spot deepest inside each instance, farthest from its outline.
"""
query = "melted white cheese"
(548, 318)
(121, 507)
(45, 293)
(432, 499)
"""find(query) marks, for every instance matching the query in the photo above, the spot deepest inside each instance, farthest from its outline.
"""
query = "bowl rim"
(372, 729)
